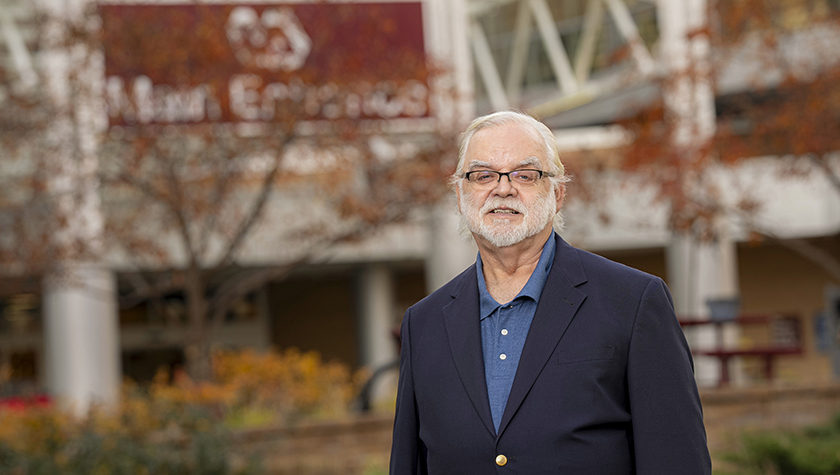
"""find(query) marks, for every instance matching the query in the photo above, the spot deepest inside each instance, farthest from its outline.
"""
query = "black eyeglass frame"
(542, 174)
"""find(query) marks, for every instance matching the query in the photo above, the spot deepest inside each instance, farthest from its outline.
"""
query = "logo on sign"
(274, 40)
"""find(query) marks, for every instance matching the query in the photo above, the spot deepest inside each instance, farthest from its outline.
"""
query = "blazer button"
(501, 460)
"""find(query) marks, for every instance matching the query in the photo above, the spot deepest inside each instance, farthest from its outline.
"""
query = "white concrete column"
(446, 24)
(81, 337)
(697, 270)
(685, 57)
(80, 314)
(377, 319)
(462, 60)
(449, 24)
(449, 251)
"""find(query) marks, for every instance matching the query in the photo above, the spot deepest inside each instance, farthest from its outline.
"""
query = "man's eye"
(525, 177)
(483, 177)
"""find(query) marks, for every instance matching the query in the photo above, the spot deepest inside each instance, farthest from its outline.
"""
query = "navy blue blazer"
(605, 384)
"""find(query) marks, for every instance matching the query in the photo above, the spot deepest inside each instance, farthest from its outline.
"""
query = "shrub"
(175, 425)
(812, 451)
(46, 441)
(250, 389)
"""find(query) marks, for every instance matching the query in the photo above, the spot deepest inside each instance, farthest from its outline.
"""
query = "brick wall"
(360, 446)
(728, 412)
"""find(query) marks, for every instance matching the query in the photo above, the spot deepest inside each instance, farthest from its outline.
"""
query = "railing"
(785, 336)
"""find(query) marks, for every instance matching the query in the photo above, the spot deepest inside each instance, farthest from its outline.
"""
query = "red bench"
(793, 345)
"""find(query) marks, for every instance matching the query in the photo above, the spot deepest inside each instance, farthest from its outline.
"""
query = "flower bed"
(176, 425)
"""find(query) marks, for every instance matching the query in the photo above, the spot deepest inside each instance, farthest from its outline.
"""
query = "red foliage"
(24, 403)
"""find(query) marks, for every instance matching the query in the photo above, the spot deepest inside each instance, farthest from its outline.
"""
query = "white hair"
(557, 170)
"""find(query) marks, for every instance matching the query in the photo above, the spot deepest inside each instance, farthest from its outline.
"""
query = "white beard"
(501, 232)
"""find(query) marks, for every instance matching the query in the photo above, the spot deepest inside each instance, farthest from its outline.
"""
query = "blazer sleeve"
(667, 418)
(407, 451)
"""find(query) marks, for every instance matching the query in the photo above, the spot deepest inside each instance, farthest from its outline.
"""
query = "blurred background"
(213, 215)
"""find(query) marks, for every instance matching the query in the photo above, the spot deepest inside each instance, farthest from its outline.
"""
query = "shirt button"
(504, 331)
(502, 356)
(501, 460)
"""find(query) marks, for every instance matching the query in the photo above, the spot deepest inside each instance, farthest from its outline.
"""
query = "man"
(541, 358)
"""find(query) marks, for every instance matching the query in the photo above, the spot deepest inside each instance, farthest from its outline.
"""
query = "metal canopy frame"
(574, 83)
(12, 35)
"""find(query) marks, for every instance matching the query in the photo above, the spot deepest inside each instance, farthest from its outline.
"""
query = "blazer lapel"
(464, 332)
(559, 301)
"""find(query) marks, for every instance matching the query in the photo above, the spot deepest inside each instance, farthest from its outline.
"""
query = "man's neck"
(507, 269)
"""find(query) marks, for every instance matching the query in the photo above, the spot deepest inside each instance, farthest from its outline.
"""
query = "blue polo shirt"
(504, 328)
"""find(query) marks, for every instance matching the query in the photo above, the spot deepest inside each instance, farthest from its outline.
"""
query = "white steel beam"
(627, 27)
(554, 46)
(519, 52)
(487, 67)
(482, 7)
(592, 20)
(592, 138)
(578, 98)
(17, 49)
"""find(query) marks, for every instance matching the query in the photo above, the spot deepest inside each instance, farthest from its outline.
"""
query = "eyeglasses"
(518, 177)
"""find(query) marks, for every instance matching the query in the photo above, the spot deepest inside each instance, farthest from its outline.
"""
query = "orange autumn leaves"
(248, 390)
(280, 387)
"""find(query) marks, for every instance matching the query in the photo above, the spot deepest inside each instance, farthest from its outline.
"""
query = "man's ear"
(458, 197)
(559, 195)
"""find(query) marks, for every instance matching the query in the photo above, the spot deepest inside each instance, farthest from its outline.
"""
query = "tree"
(217, 115)
(790, 108)
(797, 117)
(34, 124)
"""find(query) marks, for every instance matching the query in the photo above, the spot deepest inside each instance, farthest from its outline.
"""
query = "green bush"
(812, 451)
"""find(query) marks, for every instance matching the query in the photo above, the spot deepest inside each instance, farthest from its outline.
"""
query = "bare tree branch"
(822, 258)
(235, 288)
(221, 192)
(141, 186)
(145, 289)
(253, 214)
(240, 286)
(178, 208)
(822, 164)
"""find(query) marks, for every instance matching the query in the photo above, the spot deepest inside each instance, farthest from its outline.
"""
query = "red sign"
(193, 63)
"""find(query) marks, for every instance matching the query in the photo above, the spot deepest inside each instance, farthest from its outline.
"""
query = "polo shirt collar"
(533, 288)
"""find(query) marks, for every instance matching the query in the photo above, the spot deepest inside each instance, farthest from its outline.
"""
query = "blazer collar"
(558, 304)
(567, 261)
(557, 307)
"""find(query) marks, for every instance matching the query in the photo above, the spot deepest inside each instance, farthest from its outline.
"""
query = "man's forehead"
(531, 161)
(503, 133)
(511, 142)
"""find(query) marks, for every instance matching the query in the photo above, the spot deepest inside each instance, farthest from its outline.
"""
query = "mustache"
(510, 203)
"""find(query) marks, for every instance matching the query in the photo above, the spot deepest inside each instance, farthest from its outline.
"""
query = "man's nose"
(504, 187)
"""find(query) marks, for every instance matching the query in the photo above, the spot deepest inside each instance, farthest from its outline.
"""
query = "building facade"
(584, 67)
